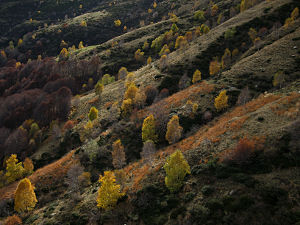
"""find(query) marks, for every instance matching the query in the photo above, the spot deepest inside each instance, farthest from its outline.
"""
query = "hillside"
(89, 87)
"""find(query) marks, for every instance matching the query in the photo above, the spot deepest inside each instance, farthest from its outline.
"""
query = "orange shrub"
(13, 220)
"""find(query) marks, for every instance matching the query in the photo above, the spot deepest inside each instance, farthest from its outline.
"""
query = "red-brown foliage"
(68, 125)
(13, 220)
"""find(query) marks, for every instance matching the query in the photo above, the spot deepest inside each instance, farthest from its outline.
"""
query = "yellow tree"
(28, 166)
(148, 129)
(109, 192)
(214, 67)
(149, 60)
(176, 168)
(117, 23)
(14, 170)
(131, 92)
(80, 45)
(99, 88)
(25, 199)
(181, 42)
(118, 155)
(93, 114)
(64, 54)
(127, 107)
(174, 130)
(221, 101)
(196, 76)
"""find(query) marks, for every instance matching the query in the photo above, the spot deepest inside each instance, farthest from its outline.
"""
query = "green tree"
(176, 168)
(25, 199)
(93, 114)
(109, 192)
(148, 129)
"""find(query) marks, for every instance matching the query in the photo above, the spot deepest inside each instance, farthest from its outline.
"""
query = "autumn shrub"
(241, 154)
(176, 168)
(13, 220)
(93, 114)
(25, 199)
(68, 125)
(109, 191)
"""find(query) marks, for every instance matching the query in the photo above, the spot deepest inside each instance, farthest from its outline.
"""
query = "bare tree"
(148, 151)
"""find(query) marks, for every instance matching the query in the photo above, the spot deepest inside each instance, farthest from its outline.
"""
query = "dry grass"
(44, 176)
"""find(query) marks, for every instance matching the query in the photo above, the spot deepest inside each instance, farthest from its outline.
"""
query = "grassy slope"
(267, 116)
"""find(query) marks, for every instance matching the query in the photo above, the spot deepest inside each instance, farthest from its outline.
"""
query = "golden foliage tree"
(214, 67)
(148, 129)
(127, 107)
(93, 114)
(109, 192)
(176, 168)
(221, 101)
(181, 42)
(25, 199)
(131, 92)
(64, 54)
(80, 45)
(139, 55)
(118, 155)
(83, 23)
(14, 170)
(13, 220)
(20, 42)
(149, 60)
(174, 130)
(28, 166)
(117, 23)
(196, 76)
